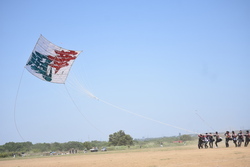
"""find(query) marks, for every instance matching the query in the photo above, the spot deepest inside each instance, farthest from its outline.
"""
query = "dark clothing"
(217, 139)
(247, 138)
(234, 137)
(211, 141)
(240, 139)
(228, 138)
(200, 141)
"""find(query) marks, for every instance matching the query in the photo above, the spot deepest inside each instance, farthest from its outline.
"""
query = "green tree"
(19, 147)
(120, 139)
(26, 146)
(56, 146)
(73, 144)
(42, 147)
(185, 137)
(87, 145)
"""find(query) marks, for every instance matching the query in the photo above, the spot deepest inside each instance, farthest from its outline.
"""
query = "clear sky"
(183, 63)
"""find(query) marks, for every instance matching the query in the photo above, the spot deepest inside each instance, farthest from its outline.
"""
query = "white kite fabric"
(50, 62)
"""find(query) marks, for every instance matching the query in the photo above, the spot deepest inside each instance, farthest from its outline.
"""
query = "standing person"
(211, 140)
(228, 137)
(234, 137)
(206, 140)
(200, 141)
(247, 138)
(217, 139)
(240, 138)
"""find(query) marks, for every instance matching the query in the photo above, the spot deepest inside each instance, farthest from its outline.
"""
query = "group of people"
(207, 140)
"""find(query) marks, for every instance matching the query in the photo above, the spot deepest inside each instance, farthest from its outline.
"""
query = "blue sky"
(171, 61)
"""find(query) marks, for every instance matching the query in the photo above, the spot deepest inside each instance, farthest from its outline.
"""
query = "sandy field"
(185, 156)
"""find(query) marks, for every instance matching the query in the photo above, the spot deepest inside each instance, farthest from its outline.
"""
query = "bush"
(120, 139)
(7, 154)
(185, 138)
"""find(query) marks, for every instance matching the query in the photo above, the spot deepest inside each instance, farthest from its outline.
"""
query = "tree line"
(116, 139)
(119, 138)
(11, 148)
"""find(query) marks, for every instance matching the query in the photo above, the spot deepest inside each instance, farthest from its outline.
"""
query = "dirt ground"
(161, 157)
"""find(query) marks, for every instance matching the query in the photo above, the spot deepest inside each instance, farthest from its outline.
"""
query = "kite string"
(15, 104)
(144, 116)
(81, 112)
(75, 83)
(204, 121)
(81, 88)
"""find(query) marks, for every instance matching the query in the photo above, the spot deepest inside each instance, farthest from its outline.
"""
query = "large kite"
(50, 62)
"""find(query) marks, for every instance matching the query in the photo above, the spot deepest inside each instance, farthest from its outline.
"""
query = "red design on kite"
(61, 59)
